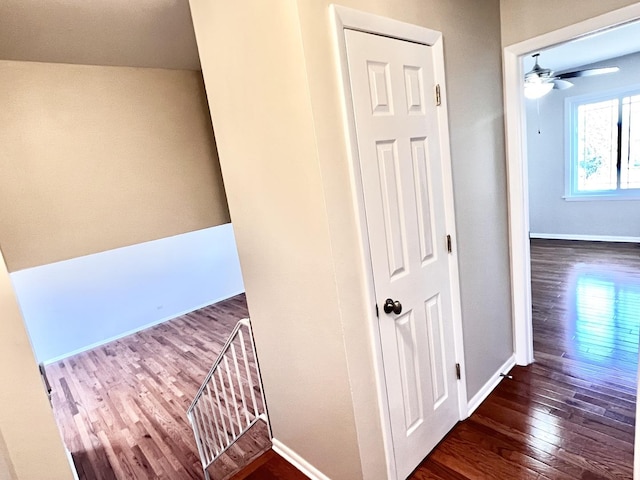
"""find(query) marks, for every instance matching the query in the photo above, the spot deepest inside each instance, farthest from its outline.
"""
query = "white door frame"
(347, 18)
(517, 176)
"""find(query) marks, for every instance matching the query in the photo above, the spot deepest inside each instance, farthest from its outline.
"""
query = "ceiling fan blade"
(587, 73)
(559, 84)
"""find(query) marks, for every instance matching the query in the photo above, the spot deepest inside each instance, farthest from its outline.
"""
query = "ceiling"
(134, 33)
(611, 43)
(159, 34)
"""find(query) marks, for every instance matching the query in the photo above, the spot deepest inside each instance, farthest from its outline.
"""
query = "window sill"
(601, 197)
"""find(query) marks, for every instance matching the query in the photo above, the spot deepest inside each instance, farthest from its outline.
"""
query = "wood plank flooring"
(571, 414)
(122, 407)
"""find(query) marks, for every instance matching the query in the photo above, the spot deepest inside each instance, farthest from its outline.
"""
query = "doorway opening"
(521, 216)
(517, 160)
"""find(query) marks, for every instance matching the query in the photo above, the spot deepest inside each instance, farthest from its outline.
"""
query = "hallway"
(571, 414)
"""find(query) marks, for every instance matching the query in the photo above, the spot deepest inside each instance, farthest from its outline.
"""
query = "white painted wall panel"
(76, 304)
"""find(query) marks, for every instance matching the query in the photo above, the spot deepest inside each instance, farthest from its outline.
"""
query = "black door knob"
(392, 306)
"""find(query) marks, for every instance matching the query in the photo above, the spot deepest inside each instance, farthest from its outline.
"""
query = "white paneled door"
(393, 93)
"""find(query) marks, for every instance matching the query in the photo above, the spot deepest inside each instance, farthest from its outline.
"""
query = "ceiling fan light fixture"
(533, 90)
(532, 77)
(537, 71)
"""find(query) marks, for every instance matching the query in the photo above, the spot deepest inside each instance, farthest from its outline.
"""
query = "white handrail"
(226, 405)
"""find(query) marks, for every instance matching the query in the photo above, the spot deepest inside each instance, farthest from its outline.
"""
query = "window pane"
(630, 165)
(597, 146)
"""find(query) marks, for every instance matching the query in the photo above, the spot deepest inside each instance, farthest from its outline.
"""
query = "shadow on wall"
(7, 472)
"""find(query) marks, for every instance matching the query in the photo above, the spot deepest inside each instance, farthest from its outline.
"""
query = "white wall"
(550, 214)
(73, 305)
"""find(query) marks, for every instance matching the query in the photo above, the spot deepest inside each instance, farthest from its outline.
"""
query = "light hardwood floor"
(121, 407)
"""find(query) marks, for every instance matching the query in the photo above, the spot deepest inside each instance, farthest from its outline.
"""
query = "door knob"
(392, 306)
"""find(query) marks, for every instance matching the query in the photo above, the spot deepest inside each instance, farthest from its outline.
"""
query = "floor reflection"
(606, 315)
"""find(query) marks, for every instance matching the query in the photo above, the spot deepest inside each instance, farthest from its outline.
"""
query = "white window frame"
(571, 136)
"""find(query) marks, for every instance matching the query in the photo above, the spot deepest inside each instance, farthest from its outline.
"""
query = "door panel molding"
(347, 18)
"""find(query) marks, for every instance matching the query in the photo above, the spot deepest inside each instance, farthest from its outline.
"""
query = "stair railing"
(230, 400)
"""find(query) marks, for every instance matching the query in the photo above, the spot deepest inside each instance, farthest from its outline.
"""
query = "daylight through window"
(604, 157)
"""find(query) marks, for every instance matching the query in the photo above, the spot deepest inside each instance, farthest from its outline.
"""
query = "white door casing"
(403, 185)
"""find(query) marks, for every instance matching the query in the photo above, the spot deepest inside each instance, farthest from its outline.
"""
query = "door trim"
(517, 177)
(347, 18)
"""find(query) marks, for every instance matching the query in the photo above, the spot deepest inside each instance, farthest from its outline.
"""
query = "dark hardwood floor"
(571, 414)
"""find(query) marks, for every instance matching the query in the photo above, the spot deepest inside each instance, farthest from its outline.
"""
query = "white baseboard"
(488, 387)
(586, 238)
(297, 461)
(71, 463)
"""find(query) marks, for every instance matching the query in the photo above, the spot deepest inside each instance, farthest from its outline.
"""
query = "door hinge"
(377, 311)
(458, 371)
(449, 247)
(438, 97)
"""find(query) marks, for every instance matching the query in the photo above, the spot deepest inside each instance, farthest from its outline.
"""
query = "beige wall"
(31, 437)
(277, 116)
(95, 158)
(7, 472)
(524, 19)
(262, 117)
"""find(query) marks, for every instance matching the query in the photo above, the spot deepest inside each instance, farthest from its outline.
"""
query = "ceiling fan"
(540, 81)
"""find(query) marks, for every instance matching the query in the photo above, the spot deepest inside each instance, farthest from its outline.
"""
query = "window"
(604, 145)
